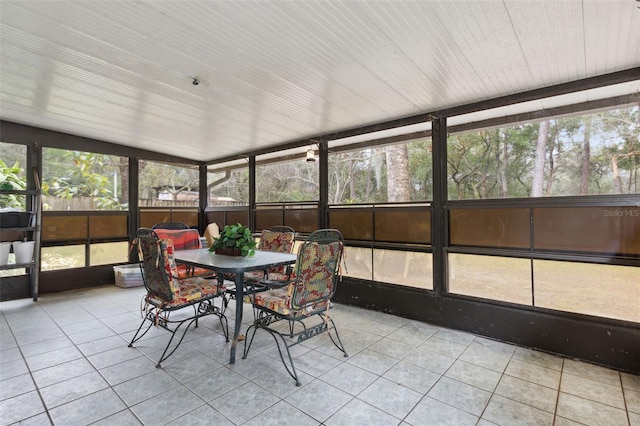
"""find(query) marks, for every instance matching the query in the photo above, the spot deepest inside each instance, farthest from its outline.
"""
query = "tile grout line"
(75, 345)
(493, 392)
(555, 411)
(443, 374)
(624, 399)
(24, 359)
(503, 373)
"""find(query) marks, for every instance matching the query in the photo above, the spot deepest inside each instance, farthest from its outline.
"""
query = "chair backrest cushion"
(281, 242)
(316, 273)
(278, 241)
(158, 266)
(211, 233)
(183, 239)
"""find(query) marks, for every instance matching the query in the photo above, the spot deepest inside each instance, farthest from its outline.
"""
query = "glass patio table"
(222, 264)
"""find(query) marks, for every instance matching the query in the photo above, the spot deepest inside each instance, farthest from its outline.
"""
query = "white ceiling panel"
(272, 72)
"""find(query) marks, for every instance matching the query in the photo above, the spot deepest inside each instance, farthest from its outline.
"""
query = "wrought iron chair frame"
(265, 317)
(158, 306)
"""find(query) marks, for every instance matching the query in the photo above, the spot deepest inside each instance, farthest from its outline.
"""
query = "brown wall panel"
(302, 220)
(64, 227)
(412, 226)
(190, 217)
(216, 217)
(108, 226)
(485, 227)
(237, 216)
(613, 230)
(266, 218)
(355, 224)
(149, 218)
(229, 217)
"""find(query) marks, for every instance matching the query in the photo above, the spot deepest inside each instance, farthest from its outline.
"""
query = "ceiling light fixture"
(311, 156)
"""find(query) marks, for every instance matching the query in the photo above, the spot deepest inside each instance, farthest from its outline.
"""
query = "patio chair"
(279, 239)
(184, 239)
(167, 294)
(307, 296)
(211, 232)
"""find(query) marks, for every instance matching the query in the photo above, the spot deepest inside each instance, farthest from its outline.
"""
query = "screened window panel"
(362, 175)
(108, 253)
(286, 177)
(228, 184)
(491, 277)
(412, 269)
(13, 154)
(499, 162)
(83, 181)
(168, 185)
(62, 257)
(359, 262)
(610, 291)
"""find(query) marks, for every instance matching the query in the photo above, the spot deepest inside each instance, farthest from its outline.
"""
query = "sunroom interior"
(237, 94)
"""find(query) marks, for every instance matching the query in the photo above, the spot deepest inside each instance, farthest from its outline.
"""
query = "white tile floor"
(64, 360)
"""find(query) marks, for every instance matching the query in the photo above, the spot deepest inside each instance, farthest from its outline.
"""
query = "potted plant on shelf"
(234, 240)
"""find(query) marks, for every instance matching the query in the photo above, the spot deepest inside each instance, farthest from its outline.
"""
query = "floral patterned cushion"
(281, 242)
(184, 290)
(313, 286)
(169, 262)
(318, 264)
(276, 241)
(190, 289)
(271, 276)
(278, 300)
(277, 277)
(253, 275)
(186, 271)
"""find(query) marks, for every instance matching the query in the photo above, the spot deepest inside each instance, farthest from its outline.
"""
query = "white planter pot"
(23, 251)
(5, 248)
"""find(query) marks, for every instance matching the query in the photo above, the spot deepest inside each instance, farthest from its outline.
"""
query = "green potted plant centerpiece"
(234, 240)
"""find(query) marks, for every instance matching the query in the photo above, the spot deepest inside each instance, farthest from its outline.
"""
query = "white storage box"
(128, 275)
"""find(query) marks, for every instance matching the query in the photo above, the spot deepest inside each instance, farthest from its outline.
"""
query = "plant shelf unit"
(32, 233)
